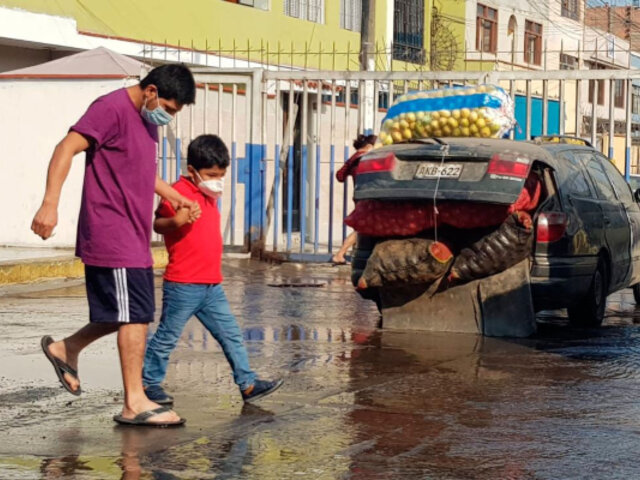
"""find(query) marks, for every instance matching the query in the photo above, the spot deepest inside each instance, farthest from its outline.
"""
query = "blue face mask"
(157, 116)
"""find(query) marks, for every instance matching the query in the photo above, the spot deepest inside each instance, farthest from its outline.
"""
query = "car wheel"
(636, 293)
(590, 312)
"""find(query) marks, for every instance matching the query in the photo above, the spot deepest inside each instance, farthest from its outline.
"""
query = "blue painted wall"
(553, 119)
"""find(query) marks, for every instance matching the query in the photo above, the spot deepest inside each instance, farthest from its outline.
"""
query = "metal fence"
(289, 131)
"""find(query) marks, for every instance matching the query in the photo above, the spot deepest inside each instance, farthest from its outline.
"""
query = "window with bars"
(487, 29)
(618, 93)
(350, 14)
(570, 9)
(592, 85)
(312, 10)
(261, 4)
(635, 99)
(568, 62)
(408, 31)
(532, 42)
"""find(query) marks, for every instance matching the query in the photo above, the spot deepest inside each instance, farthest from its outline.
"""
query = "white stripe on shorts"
(122, 294)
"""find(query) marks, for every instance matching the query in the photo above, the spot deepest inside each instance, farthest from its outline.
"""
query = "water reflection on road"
(358, 403)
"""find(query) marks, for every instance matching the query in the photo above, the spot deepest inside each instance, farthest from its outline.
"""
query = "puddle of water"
(358, 402)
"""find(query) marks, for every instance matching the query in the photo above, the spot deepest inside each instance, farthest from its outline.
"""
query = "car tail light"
(551, 226)
(377, 164)
(512, 167)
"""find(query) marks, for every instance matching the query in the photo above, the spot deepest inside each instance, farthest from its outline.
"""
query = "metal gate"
(288, 132)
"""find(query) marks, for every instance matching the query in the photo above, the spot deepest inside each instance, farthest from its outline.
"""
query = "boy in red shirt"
(193, 277)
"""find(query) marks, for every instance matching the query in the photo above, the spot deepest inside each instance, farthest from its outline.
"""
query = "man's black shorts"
(120, 295)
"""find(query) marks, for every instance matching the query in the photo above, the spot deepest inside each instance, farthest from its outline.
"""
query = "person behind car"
(362, 144)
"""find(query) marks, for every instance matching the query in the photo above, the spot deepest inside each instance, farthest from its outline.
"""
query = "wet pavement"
(358, 402)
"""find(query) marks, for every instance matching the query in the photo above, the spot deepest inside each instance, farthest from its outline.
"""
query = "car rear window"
(620, 186)
(600, 179)
(576, 183)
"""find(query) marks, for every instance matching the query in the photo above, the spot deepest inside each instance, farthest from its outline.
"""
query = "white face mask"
(211, 188)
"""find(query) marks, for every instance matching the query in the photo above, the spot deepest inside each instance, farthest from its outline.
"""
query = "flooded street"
(358, 402)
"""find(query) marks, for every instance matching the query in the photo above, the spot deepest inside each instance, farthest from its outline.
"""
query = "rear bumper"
(561, 282)
(555, 282)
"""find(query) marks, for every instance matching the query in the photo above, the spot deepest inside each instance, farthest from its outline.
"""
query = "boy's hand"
(187, 214)
(181, 217)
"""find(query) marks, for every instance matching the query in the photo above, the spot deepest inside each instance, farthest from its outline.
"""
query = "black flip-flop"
(142, 419)
(60, 367)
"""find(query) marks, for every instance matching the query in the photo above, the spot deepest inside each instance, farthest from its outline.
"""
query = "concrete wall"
(36, 115)
(522, 10)
(12, 57)
(563, 35)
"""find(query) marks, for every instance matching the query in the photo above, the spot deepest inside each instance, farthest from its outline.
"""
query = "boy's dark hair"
(363, 140)
(207, 151)
(174, 82)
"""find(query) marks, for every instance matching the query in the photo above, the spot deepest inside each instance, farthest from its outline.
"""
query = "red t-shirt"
(195, 250)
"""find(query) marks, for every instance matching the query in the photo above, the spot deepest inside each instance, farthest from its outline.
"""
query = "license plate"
(435, 170)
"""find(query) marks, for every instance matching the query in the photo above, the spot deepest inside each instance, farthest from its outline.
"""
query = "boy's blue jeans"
(180, 301)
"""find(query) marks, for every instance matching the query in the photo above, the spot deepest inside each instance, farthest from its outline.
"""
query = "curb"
(58, 267)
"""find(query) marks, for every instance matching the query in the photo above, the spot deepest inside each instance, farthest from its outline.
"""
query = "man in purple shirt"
(119, 133)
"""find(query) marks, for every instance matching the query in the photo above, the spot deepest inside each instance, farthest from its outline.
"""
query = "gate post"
(255, 164)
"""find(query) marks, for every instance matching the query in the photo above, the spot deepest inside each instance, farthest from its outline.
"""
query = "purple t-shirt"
(114, 227)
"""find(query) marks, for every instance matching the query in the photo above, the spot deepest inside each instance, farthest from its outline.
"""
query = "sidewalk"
(24, 265)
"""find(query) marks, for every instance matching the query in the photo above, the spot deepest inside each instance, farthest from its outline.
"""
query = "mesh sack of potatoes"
(483, 111)
(410, 260)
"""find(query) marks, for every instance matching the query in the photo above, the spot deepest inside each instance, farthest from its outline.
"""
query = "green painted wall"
(240, 31)
(449, 34)
(215, 25)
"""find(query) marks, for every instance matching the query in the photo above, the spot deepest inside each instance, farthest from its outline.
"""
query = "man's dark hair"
(174, 82)
(207, 151)
(363, 140)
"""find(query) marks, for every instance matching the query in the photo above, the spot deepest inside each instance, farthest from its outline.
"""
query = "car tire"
(636, 293)
(590, 312)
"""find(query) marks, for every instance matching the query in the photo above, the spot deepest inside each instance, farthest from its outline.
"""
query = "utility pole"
(367, 35)
(367, 63)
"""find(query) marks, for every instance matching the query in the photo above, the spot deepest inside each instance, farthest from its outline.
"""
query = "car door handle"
(607, 221)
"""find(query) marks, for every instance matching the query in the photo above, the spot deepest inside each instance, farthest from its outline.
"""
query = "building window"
(408, 31)
(512, 35)
(532, 42)
(635, 105)
(618, 93)
(611, 46)
(487, 29)
(312, 10)
(568, 62)
(350, 14)
(570, 9)
(261, 4)
(592, 83)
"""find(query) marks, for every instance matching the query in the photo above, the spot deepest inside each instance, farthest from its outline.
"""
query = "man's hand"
(45, 220)
(186, 214)
(191, 205)
(194, 212)
(46, 217)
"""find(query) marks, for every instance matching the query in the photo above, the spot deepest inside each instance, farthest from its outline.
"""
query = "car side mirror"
(636, 195)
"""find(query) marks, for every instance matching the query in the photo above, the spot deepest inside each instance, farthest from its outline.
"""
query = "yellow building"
(316, 34)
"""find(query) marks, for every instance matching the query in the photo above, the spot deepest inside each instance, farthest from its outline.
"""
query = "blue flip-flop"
(60, 367)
